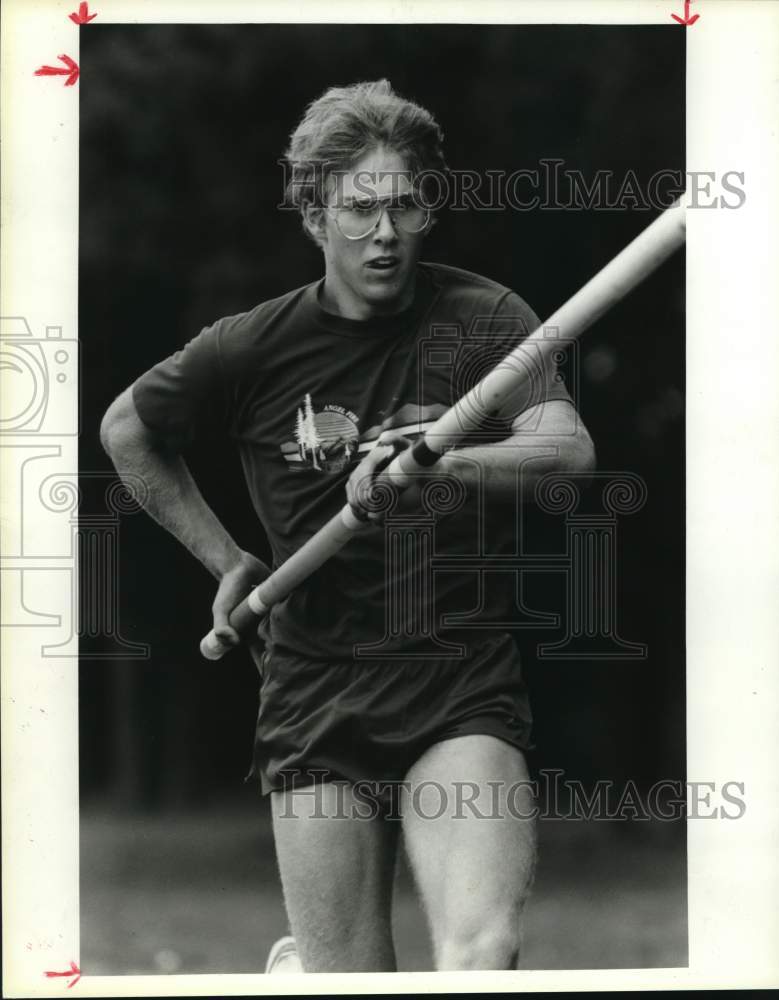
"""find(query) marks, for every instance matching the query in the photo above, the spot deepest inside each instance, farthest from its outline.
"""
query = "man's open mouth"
(383, 263)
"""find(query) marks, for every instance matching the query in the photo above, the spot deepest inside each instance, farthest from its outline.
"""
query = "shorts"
(369, 720)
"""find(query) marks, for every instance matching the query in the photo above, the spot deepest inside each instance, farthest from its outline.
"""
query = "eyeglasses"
(358, 219)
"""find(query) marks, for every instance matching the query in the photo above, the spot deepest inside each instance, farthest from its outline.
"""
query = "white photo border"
(732, 495)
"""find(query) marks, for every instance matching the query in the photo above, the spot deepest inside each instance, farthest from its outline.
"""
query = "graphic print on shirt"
(325, 440)
(328, 439)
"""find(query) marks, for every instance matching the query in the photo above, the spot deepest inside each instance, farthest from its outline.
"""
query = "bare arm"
(175, 502)
(548, 437)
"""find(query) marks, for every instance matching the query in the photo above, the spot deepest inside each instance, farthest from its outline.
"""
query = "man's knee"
(492, 944)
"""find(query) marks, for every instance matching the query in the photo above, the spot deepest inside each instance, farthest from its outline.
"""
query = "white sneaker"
(283, 957)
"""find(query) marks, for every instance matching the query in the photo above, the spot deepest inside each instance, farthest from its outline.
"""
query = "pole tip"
(213, 648)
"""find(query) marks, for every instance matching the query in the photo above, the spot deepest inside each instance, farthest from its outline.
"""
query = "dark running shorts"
(369, 720)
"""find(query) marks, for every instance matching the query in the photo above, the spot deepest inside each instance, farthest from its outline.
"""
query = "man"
(351, 710)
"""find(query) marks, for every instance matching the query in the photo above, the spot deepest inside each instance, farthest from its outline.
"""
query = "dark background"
(181, 131)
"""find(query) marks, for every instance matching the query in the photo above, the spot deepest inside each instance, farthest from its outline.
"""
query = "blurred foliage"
(181, 131)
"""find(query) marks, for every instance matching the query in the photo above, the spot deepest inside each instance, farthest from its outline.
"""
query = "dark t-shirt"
(305, 394)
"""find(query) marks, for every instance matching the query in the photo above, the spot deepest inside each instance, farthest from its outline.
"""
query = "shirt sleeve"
(540, 376)
(184, 397)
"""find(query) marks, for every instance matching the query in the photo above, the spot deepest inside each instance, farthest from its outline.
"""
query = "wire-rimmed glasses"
(360, 217)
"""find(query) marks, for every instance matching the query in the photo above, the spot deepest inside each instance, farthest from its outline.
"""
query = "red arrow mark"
(72, 971)
(686, 19)
(71, 71)
(83, 16)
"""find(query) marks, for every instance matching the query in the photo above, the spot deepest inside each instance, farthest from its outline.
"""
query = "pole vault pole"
(619, 277)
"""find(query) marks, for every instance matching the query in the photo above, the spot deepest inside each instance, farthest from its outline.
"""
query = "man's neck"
(338, 300)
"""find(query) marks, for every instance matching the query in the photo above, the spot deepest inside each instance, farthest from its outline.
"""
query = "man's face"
(373, 275)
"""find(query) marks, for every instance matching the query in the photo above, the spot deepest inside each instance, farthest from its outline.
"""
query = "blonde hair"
(345, 123)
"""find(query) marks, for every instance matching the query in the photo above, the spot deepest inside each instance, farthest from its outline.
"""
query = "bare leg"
(337, 874)
(474, 863)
